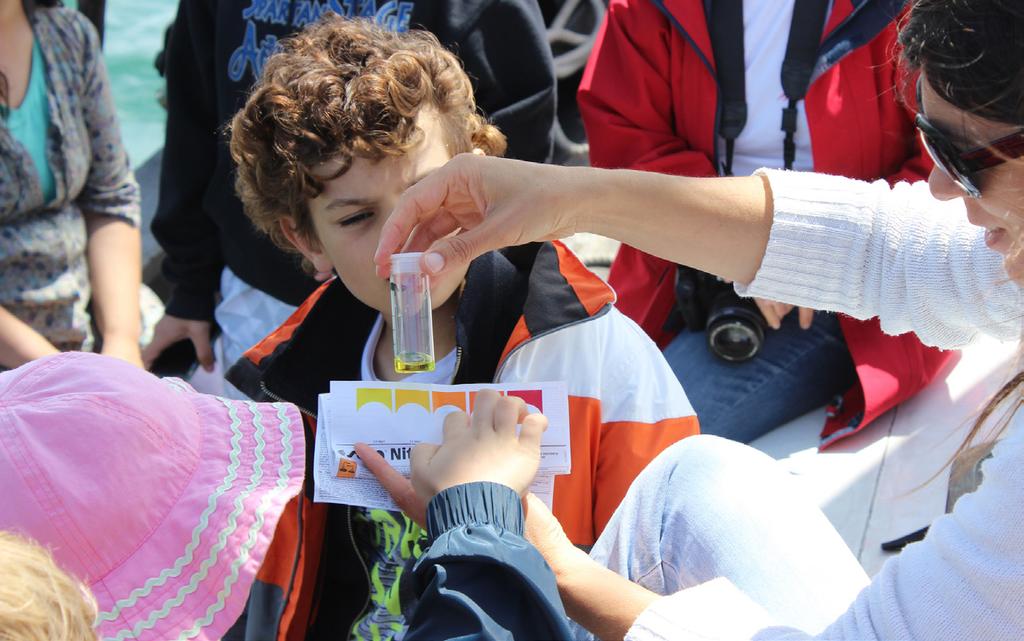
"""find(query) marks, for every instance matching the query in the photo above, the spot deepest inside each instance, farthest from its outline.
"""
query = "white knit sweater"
(871, 250)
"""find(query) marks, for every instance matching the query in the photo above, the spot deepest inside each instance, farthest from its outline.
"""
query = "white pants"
(708, 507)
(245, 316)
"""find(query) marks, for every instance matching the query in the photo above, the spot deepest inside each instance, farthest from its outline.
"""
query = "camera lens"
(735, 339)
(735, 327)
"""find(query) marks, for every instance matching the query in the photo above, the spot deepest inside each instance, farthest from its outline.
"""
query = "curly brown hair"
(343, 89)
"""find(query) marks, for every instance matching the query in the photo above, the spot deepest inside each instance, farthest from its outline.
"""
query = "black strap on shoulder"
(725, 26)
(726, 29)
(798, 66)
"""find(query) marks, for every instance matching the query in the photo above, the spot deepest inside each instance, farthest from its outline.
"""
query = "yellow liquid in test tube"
(413, 362)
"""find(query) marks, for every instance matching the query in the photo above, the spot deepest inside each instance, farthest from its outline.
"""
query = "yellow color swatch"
(366, 395)
(405, 397)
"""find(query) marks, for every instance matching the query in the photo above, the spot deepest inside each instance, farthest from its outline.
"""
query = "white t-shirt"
(444, 370)
(765, 36)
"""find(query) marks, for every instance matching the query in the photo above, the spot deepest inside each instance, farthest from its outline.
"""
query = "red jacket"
(649, 100)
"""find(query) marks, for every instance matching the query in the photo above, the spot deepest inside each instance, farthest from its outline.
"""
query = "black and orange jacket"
(531, 313)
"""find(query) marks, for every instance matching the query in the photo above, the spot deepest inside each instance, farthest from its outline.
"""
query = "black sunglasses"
(962, 166)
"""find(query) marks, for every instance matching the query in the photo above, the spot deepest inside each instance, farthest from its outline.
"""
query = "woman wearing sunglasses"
(712, 541)
(961, 165)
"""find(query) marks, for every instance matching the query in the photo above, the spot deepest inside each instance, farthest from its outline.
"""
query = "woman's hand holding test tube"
(476, 204)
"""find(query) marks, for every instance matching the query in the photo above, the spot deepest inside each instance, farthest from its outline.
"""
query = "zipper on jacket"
(458, 361)
(263, 387)
(362, 563)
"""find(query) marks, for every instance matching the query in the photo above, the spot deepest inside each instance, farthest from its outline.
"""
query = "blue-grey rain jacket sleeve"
(480, 579)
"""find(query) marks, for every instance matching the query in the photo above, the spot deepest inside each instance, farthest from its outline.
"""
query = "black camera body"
(734, 326)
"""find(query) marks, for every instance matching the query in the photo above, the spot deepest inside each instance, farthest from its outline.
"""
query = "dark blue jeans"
(796, 371)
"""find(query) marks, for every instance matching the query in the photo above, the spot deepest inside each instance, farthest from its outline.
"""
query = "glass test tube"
(412, 323)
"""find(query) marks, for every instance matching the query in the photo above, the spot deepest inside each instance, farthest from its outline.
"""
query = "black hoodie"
(215, 53)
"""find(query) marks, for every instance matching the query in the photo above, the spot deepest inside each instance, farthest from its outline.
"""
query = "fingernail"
(434, 262)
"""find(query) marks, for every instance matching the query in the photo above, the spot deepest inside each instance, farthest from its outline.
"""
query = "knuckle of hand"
(460, 248)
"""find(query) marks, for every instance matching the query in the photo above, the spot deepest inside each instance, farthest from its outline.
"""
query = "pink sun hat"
(161, 499)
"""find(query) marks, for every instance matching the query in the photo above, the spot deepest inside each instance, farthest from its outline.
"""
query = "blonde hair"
(38, 600)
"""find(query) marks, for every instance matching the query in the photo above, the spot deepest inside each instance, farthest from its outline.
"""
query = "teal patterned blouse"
(44, 277)
(29, 122)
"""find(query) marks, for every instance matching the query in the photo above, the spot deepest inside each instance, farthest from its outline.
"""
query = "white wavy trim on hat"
(179, 385)
(250, 542)
(204, 520)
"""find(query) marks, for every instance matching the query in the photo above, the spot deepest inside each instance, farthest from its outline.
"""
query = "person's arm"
(871, 250)
(114, 252)
(19, 343)
(109, 201)
(626, 96)
(189, 238)
(717, 225)
(505, 52)
(598, 599)
(480, 579)
(864, 249)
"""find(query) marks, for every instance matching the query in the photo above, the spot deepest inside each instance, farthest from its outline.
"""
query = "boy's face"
(348, 215)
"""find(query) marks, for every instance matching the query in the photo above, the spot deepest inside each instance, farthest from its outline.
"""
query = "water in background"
(133, 35)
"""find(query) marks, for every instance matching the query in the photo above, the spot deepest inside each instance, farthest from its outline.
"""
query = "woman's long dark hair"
(971, 52)
(29, 6)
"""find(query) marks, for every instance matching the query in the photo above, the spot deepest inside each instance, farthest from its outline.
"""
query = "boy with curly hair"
(344, 118)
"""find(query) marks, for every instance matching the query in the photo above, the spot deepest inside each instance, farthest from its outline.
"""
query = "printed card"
(393, 417)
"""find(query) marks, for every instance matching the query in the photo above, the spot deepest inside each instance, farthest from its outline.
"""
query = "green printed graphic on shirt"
(389, 542)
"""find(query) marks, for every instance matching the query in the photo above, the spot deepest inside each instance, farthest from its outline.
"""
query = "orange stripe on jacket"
(520, 334)
(592, 292)
(574, 493)
(284, 333)
(623, 456)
